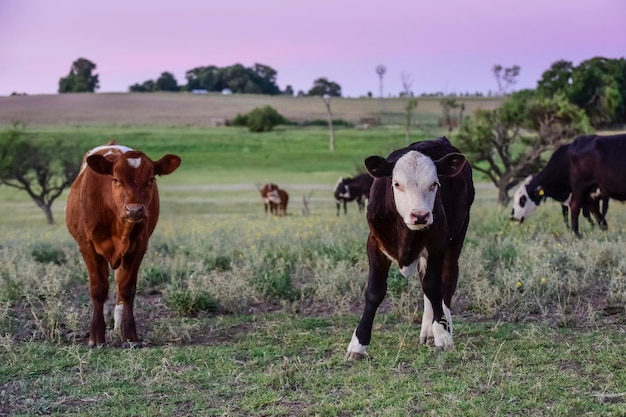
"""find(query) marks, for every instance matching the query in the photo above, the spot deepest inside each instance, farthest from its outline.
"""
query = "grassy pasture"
(245, 314)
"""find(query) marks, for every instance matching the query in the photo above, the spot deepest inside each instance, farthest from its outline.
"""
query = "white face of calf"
(523, 205)
(414, 178)
(415, 183)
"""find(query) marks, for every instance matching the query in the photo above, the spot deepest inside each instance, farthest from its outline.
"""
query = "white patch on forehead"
(134, 162)
(415, 166)
(107, 149)
(110, 149)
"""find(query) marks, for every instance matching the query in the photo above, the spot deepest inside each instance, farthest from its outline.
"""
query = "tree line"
(258, 79)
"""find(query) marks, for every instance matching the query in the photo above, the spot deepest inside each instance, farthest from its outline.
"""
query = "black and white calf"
(350, 189)
(554, 181)
(418, 215)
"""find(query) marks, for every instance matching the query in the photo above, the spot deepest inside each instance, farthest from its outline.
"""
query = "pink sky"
(445, 45)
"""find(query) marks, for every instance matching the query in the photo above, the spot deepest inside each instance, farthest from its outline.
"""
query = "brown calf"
(112, 209)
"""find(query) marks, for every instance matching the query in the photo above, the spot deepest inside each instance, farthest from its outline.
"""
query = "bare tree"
(407, 83)
(42, 171)
(331, 131)
(505, 77)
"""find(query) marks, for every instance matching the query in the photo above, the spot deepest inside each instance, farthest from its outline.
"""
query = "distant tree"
(447, 105)
(166, 82)
(80, 79)
(259, 79)
(597, 85)
(507, 143)
(411, 104)
(322, 86)
(556, 79)
(288, 91)
(42, 170)
(146, 87)
(505, 77)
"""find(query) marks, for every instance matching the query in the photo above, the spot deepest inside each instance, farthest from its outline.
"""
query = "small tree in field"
(43, 171)
(507, 143)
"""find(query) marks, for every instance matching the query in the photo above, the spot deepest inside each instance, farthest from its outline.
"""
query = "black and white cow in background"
(418, 215)
(350, 189)
(554, 181)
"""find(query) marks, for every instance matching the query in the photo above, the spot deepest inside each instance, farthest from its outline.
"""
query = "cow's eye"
(433, 187)
(522, 201)
(116, 182)
(397, 186)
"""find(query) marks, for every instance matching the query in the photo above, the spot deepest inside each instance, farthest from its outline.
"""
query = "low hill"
(186, 109)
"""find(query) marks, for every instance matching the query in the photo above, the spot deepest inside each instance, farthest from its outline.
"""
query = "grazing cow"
(596, 162)
(553, 181)
(418, 215)
(350, 189)
(270, 196)
(112, 209)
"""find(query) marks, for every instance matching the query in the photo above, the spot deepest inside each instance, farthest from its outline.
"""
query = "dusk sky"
(444, 45)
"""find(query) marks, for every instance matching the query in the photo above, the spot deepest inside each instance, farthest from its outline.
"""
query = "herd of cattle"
(418, 214)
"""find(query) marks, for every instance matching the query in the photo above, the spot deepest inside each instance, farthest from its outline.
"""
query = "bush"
(44, 252)
(260, 119)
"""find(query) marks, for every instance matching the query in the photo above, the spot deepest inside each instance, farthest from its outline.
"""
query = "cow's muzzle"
(135, 213)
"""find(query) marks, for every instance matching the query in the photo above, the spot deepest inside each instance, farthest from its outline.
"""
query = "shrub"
(188, 304)
(44, 252)
(260, 119)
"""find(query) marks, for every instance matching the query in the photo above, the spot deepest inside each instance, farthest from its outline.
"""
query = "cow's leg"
(98, 269)
(124, 317)
(338, 207)
(586, 215)
(345, 206)
(594, 204)
(575, 207)
(439, 284)
(374, 295)
(565, 211)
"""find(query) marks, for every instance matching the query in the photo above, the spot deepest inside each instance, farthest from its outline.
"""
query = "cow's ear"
(450, 165)
(100, 164)
(378, 166)
(166, 165)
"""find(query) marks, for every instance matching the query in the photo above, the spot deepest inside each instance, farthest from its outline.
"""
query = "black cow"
(553, 181)
(596, 162)
(350, 189)
(418, 215)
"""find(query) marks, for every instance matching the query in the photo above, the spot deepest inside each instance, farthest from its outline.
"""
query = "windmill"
(380, 70)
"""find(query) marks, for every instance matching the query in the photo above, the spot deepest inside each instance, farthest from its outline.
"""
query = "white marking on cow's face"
(523, 205)
(117, 317)
(414, 181)
(273, 197)
(134, 162)
(110, 150)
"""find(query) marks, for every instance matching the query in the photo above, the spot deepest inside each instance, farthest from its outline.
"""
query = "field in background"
(185, 109)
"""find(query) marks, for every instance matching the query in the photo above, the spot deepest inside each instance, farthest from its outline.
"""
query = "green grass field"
(245, 314)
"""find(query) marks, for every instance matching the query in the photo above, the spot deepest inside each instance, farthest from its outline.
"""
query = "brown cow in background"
(274, 199)
(112, 209)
